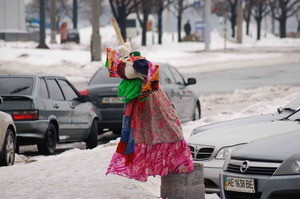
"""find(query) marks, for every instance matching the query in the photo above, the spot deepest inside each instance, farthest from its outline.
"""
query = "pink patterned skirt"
(159, 146)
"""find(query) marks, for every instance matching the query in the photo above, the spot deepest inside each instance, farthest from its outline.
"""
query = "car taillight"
(25, 115)
(84, 92)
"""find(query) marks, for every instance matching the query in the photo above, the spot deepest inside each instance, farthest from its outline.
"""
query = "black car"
(47, 110)
(103, 93)
(73, 36)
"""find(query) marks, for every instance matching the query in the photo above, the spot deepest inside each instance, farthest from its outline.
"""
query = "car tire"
(197, 113)
(7, 154)
(117, 131)
(48, 145)
(92, 140)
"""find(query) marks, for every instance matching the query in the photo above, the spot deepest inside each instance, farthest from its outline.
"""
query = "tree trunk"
(282, 27)
(179, 22)
(144, 28)
(298, 29)
(258, 22)
(75, 12)
(121, 19)
(159, 24)
(42, 40)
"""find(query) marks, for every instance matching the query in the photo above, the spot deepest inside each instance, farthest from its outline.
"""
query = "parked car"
(7, 139)
(211, 147)
(278, 114)
(47, 110)
(73, 36)
(103, 93)
(267, 168)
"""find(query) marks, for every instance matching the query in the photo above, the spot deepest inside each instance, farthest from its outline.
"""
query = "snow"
(80, 173)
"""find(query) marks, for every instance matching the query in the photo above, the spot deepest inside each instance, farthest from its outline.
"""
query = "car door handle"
(55, 106)
(72, 106)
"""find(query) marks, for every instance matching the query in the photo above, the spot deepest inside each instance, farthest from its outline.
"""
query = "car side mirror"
(1, 100)
(85, 98)
(191, 81)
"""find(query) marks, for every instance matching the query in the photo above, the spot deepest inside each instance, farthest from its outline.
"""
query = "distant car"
(73, 36)
(103, 93)
(212, 147)
(47, 110)
(7, 139)
(278, 114)
(267, 168)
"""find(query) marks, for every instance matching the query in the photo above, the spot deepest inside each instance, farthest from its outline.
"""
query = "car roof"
(31, 75)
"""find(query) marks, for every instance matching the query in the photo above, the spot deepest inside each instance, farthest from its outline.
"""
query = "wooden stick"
(117, 30)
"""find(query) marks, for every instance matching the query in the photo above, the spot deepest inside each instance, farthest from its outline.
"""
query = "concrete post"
(53, 21)
(240, 18)
(207, 15)
(184, 186)
(96, 40)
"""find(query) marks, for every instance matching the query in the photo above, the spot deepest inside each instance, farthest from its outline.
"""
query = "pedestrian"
(151, 141)
(63, 31)
(187, 28)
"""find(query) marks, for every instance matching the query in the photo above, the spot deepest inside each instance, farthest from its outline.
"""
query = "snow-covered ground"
(80, 173)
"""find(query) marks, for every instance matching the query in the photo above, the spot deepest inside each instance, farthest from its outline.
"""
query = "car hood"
(234, 135)
(272, 148)
(243, 121)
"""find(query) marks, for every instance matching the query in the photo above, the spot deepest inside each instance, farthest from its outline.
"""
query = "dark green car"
(47, 110)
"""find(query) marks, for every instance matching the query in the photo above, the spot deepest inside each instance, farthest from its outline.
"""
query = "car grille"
(238, 195)
(201, 153)
(255, 168)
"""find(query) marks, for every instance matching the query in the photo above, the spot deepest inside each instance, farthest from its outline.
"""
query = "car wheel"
(7, 156)
(48, 145)
(92, 140)
(197, 113)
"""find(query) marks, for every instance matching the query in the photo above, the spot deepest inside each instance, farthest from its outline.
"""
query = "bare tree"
(282, 10)
(121, 9)
(247, 14)
(233, 15)
(146, 7)
(260, 10)
(159, 8)
(180, 6)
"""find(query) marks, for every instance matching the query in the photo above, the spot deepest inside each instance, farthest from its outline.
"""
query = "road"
(230, 80)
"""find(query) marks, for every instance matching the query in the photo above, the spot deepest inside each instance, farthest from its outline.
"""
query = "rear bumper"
(112, 118)
(31, 130)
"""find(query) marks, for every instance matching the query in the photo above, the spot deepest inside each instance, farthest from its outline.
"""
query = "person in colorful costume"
(151, 142)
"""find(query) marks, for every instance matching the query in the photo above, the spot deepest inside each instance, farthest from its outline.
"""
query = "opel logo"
(244, 166)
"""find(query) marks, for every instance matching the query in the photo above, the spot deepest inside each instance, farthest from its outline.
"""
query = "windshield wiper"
(289, 109)
(19, 90)
(291, 114)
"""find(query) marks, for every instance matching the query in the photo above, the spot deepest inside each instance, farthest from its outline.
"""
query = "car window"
(54, 90)
(16, 85)
(43, 89)
(70, 94)
(101, 77)
(178, 78)
(168, 77)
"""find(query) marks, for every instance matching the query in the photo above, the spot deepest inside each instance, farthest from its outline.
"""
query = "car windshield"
(16, 85)
(101, 77)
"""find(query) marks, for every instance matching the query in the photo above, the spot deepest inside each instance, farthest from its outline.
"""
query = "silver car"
(265, 168)
(212, 146)
(7, 139)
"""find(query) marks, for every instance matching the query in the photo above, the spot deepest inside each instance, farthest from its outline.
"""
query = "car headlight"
(224, 152)
(290, 166)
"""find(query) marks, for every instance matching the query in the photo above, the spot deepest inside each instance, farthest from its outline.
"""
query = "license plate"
(239, 184)
(111, 100)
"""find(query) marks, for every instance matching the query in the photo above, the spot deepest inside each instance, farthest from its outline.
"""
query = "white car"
(212, 147)
(7, 139)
